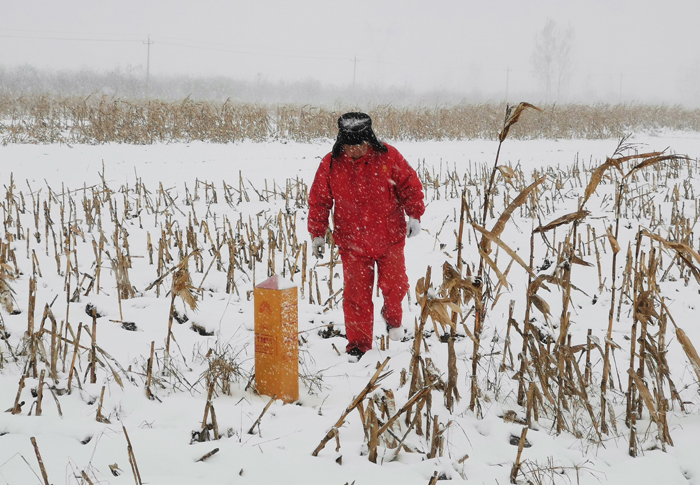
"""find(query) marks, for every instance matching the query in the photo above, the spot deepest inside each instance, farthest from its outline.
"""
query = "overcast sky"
(644, 49)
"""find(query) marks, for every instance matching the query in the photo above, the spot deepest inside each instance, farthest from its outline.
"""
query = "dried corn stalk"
(597, 176)
(505, 216)
(566, 219)
(653, 159)
(6, 291)
(512, 117)
(495, 239)
(689, 350)
(182, 284)
(469, 287)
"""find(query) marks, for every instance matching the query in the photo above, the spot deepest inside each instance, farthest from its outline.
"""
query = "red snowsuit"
(371, 195)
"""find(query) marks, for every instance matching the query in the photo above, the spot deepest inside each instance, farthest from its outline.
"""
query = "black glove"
(318, 247)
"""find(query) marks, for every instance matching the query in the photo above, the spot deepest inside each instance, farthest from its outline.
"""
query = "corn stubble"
(554, 387)
(551, 381)
(568, 386)
(102, 119)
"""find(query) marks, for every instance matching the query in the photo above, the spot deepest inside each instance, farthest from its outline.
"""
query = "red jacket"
(371, 195)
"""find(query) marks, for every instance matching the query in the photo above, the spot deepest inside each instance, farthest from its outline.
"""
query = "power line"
(252, 53)
(189, 45)
(193, 44)
(62, 32)
(67, 38)
(198, 44)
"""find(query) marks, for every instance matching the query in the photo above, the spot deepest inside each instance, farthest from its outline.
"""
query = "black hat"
(355, 128)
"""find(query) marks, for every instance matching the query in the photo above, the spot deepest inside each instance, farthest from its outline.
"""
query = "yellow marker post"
(276, 339)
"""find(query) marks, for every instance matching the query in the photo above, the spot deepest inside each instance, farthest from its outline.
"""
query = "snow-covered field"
(75, 447)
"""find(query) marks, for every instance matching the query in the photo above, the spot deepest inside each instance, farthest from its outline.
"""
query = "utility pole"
(148, 64)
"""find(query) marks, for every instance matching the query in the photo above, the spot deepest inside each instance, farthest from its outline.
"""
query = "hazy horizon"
(619, 51)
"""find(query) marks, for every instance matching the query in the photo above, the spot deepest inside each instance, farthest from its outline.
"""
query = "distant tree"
(551, 59)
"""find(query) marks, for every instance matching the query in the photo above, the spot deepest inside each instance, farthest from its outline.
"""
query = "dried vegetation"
(103, 119)
(561, 383)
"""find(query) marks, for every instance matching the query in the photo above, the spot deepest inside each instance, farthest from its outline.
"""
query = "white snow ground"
(280, 449)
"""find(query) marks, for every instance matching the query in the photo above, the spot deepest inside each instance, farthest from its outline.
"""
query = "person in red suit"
(371, 189)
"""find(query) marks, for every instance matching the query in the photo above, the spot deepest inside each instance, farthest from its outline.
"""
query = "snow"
(276, 282)
(279, 450)
(355, 124)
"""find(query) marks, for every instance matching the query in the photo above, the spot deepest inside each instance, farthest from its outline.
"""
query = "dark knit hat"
(355, 128)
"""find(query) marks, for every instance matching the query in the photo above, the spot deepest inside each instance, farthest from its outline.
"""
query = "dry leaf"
(453, 280)
(646, 395)
(182, 284)
(507, 173)
(645, 307)
(597, 176)
(689, 350)
(493, 266)
(513, 115)
(638, 155)
(653, 161)
(680, 248)
(504, 246)
(505, 216)
(541, 305)
(420, 289)
(576, 260)
(613, 242)
(566, 219)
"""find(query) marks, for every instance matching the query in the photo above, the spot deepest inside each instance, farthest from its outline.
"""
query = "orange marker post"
(276, 339)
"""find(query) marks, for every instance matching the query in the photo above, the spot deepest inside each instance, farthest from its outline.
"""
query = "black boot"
(354, 355)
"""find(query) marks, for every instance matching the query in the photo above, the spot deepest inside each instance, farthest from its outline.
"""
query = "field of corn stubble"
(554, 313)
(103, 119)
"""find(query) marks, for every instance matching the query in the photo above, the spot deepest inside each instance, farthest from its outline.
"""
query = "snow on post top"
(276, 282)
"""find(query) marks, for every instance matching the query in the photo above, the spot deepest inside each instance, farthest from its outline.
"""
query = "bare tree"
(551, 59)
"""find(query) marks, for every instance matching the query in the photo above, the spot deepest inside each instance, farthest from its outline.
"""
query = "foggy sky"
(641, 50)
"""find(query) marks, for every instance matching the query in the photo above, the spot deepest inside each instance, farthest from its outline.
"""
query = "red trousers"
(358, 271)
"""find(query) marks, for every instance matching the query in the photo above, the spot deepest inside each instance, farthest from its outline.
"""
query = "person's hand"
(413, 228)
(318, 247)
